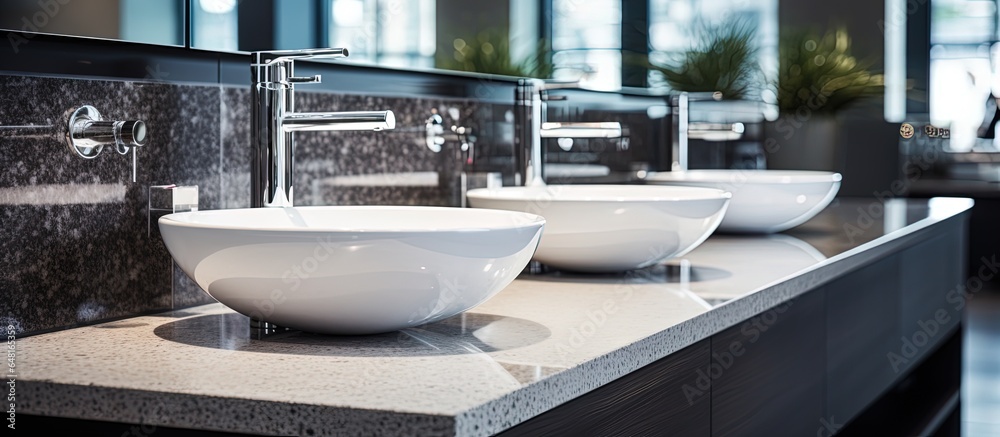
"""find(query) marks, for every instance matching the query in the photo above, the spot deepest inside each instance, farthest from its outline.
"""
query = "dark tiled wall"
(74, 240)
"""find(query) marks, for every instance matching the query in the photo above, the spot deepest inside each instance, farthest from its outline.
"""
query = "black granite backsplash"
(79, 244)
(74, 234)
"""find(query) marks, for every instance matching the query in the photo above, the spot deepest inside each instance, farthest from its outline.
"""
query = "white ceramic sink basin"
(351, 269)
(764, 201)
(606, 228)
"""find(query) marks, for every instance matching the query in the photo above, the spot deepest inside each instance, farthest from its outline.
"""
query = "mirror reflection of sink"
(608, 228)
(351, 270)
(764, 201)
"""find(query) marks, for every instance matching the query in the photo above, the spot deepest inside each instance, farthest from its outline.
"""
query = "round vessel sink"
(608, 228)
(764, 201)
(351, 269)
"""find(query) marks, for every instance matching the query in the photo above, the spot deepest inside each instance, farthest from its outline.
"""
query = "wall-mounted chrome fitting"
(438, 134)
(87, 133)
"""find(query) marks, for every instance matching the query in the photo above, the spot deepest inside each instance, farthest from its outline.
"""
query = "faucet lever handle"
(313, 79)
(273, 56)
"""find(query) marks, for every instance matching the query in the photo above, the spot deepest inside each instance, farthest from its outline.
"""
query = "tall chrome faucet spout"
(322, 121)
(530, 99)
(529, 111)
(274, 120)
(684, 130)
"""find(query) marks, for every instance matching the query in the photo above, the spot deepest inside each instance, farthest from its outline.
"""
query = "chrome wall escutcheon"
(87, 133)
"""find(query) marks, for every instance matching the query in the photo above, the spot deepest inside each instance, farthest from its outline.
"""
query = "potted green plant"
(817, 79)
(724, 59)
(490, 52)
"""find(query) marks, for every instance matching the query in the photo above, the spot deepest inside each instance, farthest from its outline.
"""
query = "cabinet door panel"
(776, 385)
(862, 328)
(663, 398)
(931, 299)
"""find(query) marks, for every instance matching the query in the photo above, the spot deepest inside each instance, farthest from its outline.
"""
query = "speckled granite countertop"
(545, 339)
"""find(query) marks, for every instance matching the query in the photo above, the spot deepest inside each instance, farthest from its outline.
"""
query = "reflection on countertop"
(466, 333)
(727, 266)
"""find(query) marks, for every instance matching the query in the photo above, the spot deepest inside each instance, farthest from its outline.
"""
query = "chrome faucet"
(684, 130)
(530, 105)
(274, 120)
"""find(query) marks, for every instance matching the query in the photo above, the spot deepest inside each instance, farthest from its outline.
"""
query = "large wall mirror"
(562, 39)
(153, 22)
(391, 33)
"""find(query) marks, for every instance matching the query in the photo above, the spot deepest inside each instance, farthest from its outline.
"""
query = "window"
(671, 29)
(587, 38)
(214, 25)
(387, 32)
(963, 66)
